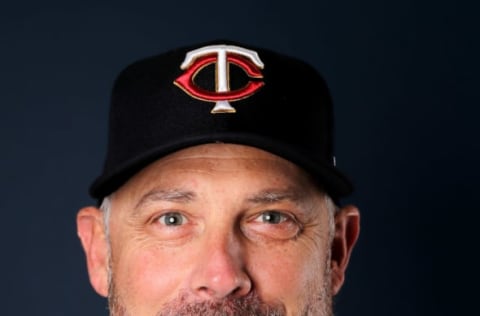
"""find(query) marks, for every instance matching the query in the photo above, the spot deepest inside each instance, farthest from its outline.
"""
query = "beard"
(249, 305)
(318, 303)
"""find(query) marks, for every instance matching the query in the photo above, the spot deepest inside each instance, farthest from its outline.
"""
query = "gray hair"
(106, 208)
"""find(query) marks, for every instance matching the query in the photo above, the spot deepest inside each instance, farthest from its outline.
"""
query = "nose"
(220, 271)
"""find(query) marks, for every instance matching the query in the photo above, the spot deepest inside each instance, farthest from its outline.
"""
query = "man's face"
(217, 227)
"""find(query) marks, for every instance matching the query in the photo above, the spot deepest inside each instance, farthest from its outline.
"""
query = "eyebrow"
(275, 195)
(172, 195)
(268, 196)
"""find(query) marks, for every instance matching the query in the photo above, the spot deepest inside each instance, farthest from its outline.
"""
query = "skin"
(217, 223)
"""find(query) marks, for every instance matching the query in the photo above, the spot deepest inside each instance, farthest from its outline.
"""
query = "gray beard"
(319, 304)
(249, 305)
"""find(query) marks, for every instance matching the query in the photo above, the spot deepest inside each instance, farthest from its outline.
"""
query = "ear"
(90, 230)
(347, 229)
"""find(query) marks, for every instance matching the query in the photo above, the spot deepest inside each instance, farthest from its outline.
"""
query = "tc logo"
(222, 56)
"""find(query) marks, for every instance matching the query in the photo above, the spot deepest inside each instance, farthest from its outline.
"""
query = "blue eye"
(272, 217)
(272, 225)
(172, 219)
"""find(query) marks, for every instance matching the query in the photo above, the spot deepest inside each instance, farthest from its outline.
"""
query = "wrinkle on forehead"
(220, 158)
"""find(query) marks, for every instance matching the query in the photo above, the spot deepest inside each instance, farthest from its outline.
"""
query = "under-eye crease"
(171, 226)
(273, 224)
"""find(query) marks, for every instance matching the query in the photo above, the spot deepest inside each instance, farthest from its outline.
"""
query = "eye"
(271, 217)
(172, 226)
(272, 225)
(172, 219)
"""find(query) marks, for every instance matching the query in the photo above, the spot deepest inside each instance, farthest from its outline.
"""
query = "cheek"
(287, 274)
(147, 277)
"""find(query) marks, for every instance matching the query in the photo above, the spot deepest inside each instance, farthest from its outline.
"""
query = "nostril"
(205, 292)
(237, 292)
(220, 290)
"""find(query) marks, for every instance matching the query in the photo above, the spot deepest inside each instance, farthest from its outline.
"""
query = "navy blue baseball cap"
(220, 91)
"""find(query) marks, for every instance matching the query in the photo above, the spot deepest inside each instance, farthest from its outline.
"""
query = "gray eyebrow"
(268, 196)
(171, 195)
(274, 195)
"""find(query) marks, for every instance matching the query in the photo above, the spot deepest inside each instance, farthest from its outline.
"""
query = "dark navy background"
(404, 76)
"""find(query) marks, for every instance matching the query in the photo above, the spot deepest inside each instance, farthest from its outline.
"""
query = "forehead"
(218, 161)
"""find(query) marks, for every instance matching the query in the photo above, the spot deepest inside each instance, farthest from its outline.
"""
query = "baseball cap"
(220, 91)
